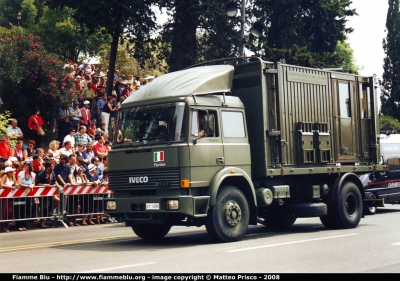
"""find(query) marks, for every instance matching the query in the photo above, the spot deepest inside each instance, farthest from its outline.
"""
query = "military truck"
(241, 141)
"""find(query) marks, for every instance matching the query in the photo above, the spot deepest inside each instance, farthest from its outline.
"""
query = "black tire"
(308, 210)
(347, 212)
(229, 219)
(151, 232)
(279, 217)
(371, 210)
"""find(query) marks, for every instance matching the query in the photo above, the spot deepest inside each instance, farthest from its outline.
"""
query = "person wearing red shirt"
(34, 122)
(5, 150)
(99, 148)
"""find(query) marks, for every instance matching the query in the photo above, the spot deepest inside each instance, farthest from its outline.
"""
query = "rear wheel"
(371, 210)
(151, 232)
(347, 212)
(228, 220)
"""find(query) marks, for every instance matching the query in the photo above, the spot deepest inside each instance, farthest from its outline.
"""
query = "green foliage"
(345, 53)
(388, 123)
(315, 27)
(5, 119)
(390, 84)
(30, 77)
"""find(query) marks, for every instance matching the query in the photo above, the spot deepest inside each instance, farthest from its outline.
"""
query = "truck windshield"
(151, 124)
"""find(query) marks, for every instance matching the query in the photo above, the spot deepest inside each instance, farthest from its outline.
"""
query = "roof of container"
(193, 81)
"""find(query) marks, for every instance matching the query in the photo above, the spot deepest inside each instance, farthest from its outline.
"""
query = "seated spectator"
(54, 149)
(37, 165)
(20, 152)
(31, 148)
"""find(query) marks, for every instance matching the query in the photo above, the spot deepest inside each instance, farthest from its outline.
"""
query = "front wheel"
(228, 220)
(151, 232)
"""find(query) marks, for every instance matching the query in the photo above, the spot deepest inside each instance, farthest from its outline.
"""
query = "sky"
(369, 30)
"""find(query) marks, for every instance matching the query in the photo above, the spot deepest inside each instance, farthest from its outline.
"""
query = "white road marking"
(396, 244)
(292, 242)
(117, 267)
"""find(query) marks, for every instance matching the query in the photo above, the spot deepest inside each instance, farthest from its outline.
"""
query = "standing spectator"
(34, 122)
(82, 137)
(14, 133)
(78, 177)
(78, 89)
(70, 137)
(100, 104)
(26, 180)
(113, 114)
(99, 149)
(20, 151)
(86, 119)
(88, 93)
(66, 149)
(8, 181)
(93, 179)
(48, 178)
(64, 115)
(5, 150)
(107, 110)
(76, 116)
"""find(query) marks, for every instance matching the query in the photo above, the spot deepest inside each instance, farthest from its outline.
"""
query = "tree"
(390, 84)
(346, 56)
(132, 18)
(303, 32)
(29, 76)
(388, 123)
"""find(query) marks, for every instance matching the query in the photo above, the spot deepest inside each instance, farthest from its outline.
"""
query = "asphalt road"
(307, 247)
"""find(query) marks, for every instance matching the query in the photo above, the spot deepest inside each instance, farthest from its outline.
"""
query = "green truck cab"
(238, 142)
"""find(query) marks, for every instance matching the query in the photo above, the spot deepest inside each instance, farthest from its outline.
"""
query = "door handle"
(220, 160)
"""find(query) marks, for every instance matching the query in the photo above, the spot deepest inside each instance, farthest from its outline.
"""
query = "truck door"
(345, 121)
(206, 150)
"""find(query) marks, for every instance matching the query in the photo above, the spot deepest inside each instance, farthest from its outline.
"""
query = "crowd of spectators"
(77, 154)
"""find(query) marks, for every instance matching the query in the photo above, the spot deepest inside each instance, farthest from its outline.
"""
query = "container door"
(345, 122)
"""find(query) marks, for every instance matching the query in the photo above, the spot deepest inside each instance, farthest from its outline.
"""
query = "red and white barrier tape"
(22, 192)
(50, 191)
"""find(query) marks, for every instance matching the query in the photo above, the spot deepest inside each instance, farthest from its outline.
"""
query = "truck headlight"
(111, 206)
(172, 204)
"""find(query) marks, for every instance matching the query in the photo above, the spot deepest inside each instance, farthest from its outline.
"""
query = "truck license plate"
(152, 206)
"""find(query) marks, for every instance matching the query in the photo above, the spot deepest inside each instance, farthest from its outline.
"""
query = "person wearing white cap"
(8, 181)
(93, 179)
(86, 118)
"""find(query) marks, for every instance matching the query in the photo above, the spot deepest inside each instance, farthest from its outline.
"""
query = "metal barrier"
(45, 202)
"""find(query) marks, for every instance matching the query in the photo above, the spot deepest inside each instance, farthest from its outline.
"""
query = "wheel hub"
(233, 213)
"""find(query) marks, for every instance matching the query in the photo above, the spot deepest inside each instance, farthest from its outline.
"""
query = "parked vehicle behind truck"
(385, 185)
(278, 142)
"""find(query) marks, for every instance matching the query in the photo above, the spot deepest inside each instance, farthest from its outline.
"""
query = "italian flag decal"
(159, 156)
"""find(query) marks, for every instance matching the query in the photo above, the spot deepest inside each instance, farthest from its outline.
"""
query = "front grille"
(159, 178)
